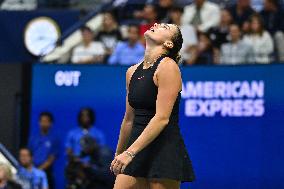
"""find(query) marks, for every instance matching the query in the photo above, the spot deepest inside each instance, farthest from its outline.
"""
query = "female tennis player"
(150, 152)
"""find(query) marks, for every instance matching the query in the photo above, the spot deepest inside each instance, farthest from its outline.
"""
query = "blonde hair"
(7, 170)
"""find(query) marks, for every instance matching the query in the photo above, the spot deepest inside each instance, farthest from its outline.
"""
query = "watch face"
(41, 35)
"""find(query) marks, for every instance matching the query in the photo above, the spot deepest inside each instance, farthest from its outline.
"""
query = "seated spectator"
(89, 51)
(219, 34)
(150, 17)
(94, 173)
(128, 52)
(272, 15)
(6, 180)
(44, 146)
(260, 40)
(28, 175)
(241, 13)
(109, 34)
(202, 14)
(86, 119)
(189, 45)
(236, 51)
(164, 7)
(204, 53)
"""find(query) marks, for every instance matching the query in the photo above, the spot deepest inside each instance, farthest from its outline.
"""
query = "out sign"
(67, 78)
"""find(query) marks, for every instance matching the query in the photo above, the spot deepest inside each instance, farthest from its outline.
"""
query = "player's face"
(160, 33)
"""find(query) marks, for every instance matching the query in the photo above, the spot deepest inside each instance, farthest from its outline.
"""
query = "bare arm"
(169, 84)
(126, 125)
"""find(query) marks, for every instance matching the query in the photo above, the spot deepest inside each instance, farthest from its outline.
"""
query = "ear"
(168, 44)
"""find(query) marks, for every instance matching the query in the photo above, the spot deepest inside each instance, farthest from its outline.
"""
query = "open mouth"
(152, 29)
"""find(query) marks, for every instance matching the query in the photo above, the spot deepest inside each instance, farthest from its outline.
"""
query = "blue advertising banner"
(231, 118)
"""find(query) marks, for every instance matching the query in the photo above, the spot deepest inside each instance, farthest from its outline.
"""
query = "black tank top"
(143, 91)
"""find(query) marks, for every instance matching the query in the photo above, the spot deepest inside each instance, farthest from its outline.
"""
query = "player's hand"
(120, 162)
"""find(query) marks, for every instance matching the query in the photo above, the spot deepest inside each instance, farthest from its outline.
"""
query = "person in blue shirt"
(128, 52)
(86, 120)
(32, 177)
(44, 146)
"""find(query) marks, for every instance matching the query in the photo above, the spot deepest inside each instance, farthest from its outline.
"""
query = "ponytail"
(174, 52)
(176, 57)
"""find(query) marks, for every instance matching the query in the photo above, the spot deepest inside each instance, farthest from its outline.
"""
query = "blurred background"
(62, 89)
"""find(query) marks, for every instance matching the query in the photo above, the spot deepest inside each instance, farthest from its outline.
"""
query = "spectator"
(236, 51)
(89, 51)
(164, 7)
(109, 34)
(27, 173)
(128, 52)
(150, 18)
(86, 119)
(202, 14)
(219, 34)
(260, 40)
(94, 173)
(241, 13)
(204, 52)
(6, 180)
(44, 146)
(272, 15)
(189, 45)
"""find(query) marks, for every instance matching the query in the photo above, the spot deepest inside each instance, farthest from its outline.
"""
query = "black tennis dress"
(166, 156)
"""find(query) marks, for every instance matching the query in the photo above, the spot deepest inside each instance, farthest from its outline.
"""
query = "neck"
(86, 127)
(177, 22)
(28, 167)
(152, 53)
(224, 25)
(110, 28)
(86, 44)
(199, 5)
(235, 40)
(131, 43)
(272, 8)
(241, 8)
(44, 131)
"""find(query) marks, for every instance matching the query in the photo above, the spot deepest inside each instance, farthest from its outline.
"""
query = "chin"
(147, 34)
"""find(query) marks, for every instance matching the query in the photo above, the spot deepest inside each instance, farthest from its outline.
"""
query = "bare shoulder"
(168, 65)
(130, 71)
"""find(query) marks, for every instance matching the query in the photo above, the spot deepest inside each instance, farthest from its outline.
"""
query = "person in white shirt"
(202, 14)
(190, 41)
(89, 51)
(236, 51)
(260, 40)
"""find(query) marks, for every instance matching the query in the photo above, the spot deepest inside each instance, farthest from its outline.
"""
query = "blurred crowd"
(213, 33)
(87, 157)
